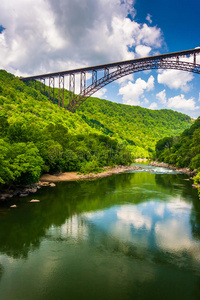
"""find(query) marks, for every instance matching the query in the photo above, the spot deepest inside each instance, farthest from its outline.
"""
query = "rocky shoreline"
(23, 191)
(48, 181)
(178, 170)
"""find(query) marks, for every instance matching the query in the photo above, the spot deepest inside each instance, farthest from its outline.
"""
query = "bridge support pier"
(94, 77)
(51, 85)
(71, 87)
(111, 72)
(43, 82)
(106, 72)
(82, 82)
(61, 86)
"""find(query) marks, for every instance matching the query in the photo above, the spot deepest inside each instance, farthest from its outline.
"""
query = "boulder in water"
(34, 200)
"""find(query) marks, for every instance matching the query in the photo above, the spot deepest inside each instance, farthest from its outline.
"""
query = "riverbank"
(72, 176)
(49, 180)
(178, 170)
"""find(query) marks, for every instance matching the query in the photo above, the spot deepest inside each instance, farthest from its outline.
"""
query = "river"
(134, 235)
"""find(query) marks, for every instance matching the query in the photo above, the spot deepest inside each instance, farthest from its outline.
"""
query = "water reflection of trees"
(178, 186)
(195, 219)
(1, 271)
(25, 227)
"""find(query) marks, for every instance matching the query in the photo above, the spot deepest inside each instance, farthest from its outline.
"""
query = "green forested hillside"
(183, 150)
(138, 127)
(37, 136)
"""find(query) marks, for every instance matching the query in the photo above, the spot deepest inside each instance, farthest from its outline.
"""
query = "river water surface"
(129, 236)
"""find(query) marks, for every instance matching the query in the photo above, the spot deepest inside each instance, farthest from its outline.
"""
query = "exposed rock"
(23, 195)
(178, 170)
(34, 200)
(33, 190)
(52, 184)
(196, 186)
(141, 159)
(159, 164)
(45, 183)
(4, 196)
(13, 206)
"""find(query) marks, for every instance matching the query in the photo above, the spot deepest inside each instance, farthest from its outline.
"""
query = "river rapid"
(134, 235)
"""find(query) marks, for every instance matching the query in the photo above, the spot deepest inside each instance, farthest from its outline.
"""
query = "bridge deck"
(115, 64)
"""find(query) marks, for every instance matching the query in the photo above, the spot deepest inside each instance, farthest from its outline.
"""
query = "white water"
(153, 170)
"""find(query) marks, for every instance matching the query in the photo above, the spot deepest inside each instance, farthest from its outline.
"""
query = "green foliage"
(183, 151)
(197, 178)
(197, 182)
(19, 162)
(37, 136)
(90, 166)
(138, 127)
(6, 174)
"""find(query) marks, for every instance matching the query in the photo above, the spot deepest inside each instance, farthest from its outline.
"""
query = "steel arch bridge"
(111, 72)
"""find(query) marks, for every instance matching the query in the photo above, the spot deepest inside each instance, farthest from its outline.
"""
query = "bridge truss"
(102, 75)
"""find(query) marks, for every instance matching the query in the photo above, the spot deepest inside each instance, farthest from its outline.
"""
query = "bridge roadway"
(112, 72)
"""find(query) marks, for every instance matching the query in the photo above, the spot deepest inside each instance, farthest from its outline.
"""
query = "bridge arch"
(127, 70)
(112, 72)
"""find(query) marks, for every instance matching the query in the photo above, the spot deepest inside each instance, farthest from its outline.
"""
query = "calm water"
(130, 236)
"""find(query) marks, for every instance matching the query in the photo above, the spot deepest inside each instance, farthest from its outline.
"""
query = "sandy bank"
(47, 180)
(71, 176)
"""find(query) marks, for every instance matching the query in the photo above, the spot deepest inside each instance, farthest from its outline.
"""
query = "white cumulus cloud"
(179, 102)
(148, 18)
(101, 93)
(142, 50)
(45, 35)
(161, 96)
(153, 105)
(123, 80)
(131, 92)
(175, 79)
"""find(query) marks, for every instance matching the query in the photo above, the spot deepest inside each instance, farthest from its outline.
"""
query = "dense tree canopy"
(183, 150)
(138, 127)
(37, 136)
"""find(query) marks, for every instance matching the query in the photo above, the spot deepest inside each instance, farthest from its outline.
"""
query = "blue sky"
(46, 36)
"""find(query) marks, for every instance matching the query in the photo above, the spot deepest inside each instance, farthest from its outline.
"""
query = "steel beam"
(129, 69)
(114, 71)
(94, 77)
(71, 87)
(106, 72)
(61, 87)
(51, 86)
(82, 81)
(180, 54)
